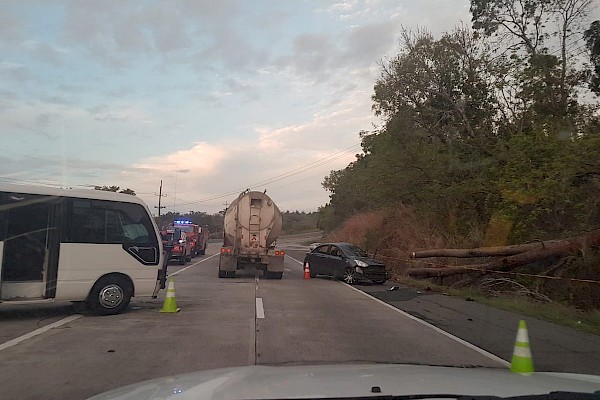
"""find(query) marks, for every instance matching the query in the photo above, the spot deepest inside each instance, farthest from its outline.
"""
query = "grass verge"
(586, 321)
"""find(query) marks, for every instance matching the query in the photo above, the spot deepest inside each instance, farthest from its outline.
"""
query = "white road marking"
(435, 328)
(260, 311)
(39, 331)
(193, 265)
(73, 317)
(299, 262)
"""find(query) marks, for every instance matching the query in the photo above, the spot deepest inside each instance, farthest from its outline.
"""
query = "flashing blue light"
(183, 222)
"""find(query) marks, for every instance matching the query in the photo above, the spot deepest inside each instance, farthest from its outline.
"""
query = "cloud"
(10, 71)
(326, 130)
(114, 32)
(120, 113)
(202, 158)
(56, 170)
(331, 58)
(45, 52)
(290, 162)
(210, 96)
(11, 30)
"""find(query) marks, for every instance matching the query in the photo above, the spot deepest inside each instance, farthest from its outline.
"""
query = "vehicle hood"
(268, 382)
(368, 260)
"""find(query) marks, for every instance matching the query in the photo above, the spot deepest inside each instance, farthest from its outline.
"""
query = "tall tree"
(592, 41)
(541, 37)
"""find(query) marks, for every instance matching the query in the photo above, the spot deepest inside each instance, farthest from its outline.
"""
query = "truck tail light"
(279, 252)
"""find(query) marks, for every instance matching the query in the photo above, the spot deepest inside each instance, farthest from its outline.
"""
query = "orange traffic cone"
(170, 304)
(306, 271)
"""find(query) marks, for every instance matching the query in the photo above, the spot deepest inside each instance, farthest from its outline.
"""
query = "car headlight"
(361, 263)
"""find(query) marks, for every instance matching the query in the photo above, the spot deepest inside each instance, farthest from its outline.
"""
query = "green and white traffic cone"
(522, 363)
(170, 305)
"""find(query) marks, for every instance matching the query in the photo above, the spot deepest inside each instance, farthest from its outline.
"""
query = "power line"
(325, 160)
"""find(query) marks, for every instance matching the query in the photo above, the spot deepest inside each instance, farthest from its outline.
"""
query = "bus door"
(29, 245)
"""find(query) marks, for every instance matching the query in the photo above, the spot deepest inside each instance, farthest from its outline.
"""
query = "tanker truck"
(251, 226)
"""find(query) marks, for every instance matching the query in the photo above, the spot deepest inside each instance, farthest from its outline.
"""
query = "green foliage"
(115, 189)
(546, 189)
(471, 137)
(297, 222)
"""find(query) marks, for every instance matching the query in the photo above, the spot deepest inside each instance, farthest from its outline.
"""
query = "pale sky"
(212, 97)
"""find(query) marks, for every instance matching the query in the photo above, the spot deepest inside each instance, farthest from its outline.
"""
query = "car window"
(322, 249)
(335, 251)
(356, 251)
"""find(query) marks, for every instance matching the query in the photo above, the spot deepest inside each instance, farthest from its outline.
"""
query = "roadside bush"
(392, 234)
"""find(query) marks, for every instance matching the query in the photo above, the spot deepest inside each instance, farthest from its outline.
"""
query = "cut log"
(564, 248)
(591, 239)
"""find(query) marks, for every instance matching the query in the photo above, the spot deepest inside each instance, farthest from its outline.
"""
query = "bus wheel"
(110, 295)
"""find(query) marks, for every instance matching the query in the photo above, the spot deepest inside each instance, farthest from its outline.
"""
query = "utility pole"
(160, 196)
(225, 210)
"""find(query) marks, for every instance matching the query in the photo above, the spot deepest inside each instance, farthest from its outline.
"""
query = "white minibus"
(91, 247)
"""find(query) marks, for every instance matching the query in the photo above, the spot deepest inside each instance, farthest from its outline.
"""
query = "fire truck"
(197, 235)
(182, 245)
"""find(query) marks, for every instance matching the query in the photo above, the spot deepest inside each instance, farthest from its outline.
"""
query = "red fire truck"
(182, 245)
(197, 235)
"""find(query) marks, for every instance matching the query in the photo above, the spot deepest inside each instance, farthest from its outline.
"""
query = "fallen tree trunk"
(561, 248)
(591, 239)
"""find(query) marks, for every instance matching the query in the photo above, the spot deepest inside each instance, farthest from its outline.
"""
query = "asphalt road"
(224, 323)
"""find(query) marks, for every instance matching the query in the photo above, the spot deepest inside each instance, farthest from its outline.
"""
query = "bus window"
(109, 222)
(97, 221)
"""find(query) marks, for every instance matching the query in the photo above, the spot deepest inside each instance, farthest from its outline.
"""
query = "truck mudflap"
(275, 263)
(227, 261)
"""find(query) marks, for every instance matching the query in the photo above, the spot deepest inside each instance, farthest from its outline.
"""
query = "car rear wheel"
(349, 276)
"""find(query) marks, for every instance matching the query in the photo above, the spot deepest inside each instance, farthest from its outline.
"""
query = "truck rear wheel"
(182, 259)
(202, 251)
